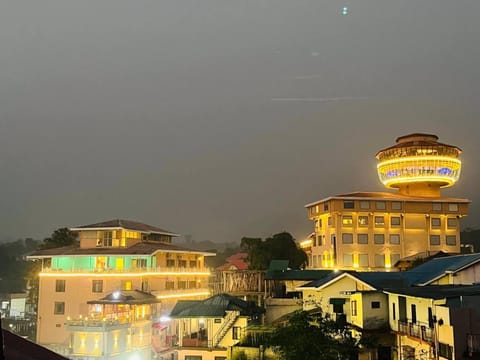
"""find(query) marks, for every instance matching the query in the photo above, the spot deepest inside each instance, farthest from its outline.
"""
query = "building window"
(396, 205)
(394, 312)
(362, 239)
(452, 207)
(236, 333)
(348, 260)
(193, 263)
(437, 206)
(347, 238)
(379, 260)
(394, 239)
(452, 223)
(182, 284)
(354, 307)
(100, 263)
(169, 285)
(375, 304)
(435, 222)
(414, 313)
(329, 221)
(193, 357)
(445, 351)
(379, 221)
(349, 204)
(451, 240)
(347, 220)
(325, 207)
(365, 205)
(126, 284)
(97, 286)
(363, 221)
(170, 263)
(59, 285)
(363, 260)
(192, 284)
(379, 239)
(395, 221)
(59, 308)
(139, 263)
(182, 263)
(434, 239)
(107, 238)
(380, 205)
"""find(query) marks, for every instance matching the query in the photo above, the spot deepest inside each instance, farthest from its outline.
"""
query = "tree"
(60, 237)
(280, 246)
(313, 337)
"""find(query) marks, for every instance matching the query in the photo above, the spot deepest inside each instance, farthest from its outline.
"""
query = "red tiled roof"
(235, 262)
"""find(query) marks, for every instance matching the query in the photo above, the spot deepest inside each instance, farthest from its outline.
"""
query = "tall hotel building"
(115, 260)
(373, 230)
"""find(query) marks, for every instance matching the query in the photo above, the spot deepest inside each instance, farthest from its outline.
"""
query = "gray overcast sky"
(222, 118)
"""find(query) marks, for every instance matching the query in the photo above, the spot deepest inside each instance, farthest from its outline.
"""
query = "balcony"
(112, 271)
(416, 330)
(96, 324)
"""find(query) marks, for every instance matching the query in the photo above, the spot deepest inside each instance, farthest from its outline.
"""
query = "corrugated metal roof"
(437, 291)
(127, 225)
(127, 297)
(215, 306)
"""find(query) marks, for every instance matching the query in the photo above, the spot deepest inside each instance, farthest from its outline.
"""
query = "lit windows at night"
(363, 221)
(347, 220)
(363, 260)
(348, 260)
(436, 206)
(379, 221)
(396, 205)
(452, 207)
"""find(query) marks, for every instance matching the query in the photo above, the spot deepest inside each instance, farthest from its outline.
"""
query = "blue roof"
(435, 268)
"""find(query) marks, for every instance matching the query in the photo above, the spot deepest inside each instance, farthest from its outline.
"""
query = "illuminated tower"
(418, 165)
(367, 230)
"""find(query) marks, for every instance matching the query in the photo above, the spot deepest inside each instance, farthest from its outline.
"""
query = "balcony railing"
(164, 269)
(97, 324)
(417, 330)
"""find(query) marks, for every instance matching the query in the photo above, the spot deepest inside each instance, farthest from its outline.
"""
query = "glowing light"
(306, 243)
(165, 318)
(116, 294)
(344, 10)
(107, 274)
(174, 296)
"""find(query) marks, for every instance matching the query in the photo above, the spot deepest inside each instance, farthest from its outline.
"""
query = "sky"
(222, 118)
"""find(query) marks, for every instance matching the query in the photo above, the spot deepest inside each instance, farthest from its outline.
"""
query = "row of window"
(362, 239)
(373, 305)
(97, 285)
(450, 240)
(379, 221)
(380, 205)
(364, 262)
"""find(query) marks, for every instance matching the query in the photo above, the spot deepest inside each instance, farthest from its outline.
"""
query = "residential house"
(206, 329)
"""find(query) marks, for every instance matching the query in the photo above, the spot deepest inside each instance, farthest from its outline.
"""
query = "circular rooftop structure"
(419, 158)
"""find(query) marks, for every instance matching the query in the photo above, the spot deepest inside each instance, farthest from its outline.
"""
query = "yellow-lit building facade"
(112, 256)
(373, 230)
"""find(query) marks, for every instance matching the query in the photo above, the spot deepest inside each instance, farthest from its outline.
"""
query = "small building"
(206, 329)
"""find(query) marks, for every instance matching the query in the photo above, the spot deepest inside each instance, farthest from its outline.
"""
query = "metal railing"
(162, 269)
(417, 330)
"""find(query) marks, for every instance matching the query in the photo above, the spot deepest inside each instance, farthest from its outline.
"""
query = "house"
(435, 321)
(206, 329)
(115, 255)
(237, 261)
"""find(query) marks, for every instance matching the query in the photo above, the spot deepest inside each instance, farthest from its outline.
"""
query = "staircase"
(226, 326)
